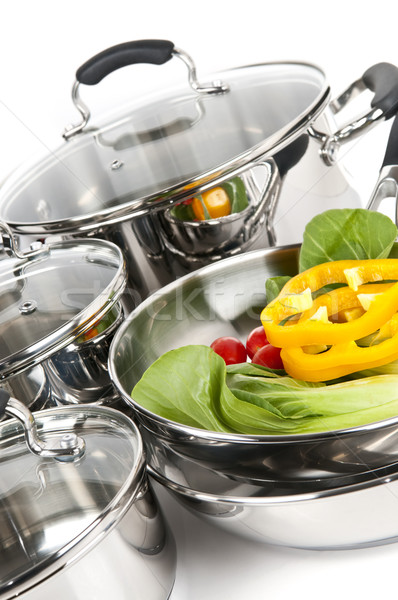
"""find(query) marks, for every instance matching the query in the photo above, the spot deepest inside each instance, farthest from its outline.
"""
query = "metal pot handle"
(387, 183)
(382, 79)
(156, 52)
(67, 446)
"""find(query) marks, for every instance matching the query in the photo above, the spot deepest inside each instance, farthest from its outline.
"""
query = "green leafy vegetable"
(192, 385)
(184, 385)
(236, 191)
(183, 212)
(341, 234)
(273, 286)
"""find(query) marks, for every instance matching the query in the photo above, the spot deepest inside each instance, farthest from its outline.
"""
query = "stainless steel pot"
(32, 386)
(78, 373)
(220, 300)
(358, 515)
(117, 180)
(78, 516)
(54, 300)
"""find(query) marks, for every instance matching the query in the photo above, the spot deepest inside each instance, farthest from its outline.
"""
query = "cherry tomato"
(230, 349)
(255, 340)
(268, 356)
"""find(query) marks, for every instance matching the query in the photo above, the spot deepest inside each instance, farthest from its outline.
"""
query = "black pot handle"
(391, 153)
(155, 52)
(387, 183)
(382, 79)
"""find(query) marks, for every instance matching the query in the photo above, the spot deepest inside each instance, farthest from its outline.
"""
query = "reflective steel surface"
(354, 516)
(78, 374)
(220, 300)
(91, 523)
(76, 186)
(47, 301)
(32, 387)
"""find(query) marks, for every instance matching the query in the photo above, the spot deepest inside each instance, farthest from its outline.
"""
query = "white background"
(42, 44)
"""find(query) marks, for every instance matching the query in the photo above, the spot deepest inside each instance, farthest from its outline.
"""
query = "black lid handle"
(157, 52)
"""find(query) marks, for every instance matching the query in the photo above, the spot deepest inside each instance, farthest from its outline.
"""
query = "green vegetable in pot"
(99, 327)
(236, 191)
(193, 386)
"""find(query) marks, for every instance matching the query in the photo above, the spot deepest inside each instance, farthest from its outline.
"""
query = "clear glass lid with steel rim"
(162, 144)
(52, 294)
(54, 508)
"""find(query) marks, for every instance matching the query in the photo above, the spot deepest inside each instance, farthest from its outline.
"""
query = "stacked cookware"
(89, 234)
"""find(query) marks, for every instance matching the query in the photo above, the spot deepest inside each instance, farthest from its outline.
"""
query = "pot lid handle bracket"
(138, 51)
(65, 447)
(382, 79)
(10, 245)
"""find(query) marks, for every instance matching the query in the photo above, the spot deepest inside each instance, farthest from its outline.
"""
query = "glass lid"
(51, 295)
(51, 509)
(160, 148)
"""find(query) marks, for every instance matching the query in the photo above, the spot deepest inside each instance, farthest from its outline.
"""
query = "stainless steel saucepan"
(78, 518)
(59, 308)
(221, 300)
(119, 179)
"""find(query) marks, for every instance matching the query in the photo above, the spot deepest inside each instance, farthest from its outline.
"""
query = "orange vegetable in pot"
(212, 204)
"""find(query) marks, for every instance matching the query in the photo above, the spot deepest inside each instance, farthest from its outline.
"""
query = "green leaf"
(205, 211)
(184, 385)
(183, 212)
(273, 286)
(235, 188)
(192, 386)
(345, 234)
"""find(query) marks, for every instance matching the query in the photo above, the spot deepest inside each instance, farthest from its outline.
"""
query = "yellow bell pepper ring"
(344, 299)
(339, 360)
(286, 326)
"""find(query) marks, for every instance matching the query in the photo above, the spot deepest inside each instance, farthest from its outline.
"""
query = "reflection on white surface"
(214, 565)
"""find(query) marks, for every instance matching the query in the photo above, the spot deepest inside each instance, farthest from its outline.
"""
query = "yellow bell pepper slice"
(305, 332)
(215, 202)
(339, 360)
(344, 299)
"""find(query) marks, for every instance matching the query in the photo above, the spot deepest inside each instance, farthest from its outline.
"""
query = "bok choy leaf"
(193, 386)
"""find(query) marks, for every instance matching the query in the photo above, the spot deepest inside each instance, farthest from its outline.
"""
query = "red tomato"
(255, 340)
(268, 356)
(230, 349)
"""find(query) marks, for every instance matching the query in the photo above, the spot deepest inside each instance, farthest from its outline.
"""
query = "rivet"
(27, 307)
(116, 164)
